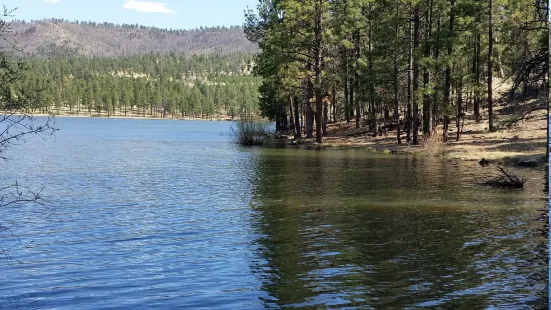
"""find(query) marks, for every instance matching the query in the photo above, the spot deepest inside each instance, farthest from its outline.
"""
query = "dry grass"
(433, 144)
(524, 138)
(517, 138)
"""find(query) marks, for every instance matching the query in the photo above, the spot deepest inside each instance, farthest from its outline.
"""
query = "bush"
(248, 132)
(508, 122)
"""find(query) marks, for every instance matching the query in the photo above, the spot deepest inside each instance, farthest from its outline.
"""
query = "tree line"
(404, 65)
(160, 85)
(125, 26)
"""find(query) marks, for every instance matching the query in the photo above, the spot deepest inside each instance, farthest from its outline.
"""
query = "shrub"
(250, 132)
(508, 122)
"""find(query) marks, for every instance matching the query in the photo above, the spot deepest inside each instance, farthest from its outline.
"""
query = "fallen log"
(358, 131)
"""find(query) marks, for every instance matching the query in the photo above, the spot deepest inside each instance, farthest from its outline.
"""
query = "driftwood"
(506, 180)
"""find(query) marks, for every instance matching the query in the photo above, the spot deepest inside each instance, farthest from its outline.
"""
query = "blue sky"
(176, 14)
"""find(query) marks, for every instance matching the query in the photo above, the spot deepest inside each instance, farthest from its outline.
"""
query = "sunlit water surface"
(169, 214)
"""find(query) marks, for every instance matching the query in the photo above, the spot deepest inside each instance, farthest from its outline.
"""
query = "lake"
(169, 214)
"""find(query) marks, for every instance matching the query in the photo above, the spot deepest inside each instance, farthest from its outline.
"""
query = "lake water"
(169, 214)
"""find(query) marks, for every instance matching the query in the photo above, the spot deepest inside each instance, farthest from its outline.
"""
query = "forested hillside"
(157, 85)
(425, 63)
(54, 37)
(88, 68)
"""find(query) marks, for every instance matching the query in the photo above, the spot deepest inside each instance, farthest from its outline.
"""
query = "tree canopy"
(383, 63)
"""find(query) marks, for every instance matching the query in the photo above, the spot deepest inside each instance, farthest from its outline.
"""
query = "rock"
(484, 162)
(527, 163)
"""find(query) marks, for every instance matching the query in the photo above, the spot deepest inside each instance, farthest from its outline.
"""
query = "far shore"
(217, 118)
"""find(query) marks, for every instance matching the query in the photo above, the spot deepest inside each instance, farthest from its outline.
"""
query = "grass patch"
(433, 144)
(251, 132)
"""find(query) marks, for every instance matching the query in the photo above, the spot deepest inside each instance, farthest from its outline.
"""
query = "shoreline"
(524, 144)
(511, 159)
(63, 115)
(521, 145)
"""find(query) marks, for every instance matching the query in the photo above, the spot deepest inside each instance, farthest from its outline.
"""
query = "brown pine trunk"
(356, 76)
(317, 71)
(459, 109)
(426, 75)
(297, 118)
(291, 118)
(490, 68)
(396, 103)
(409, 116)
(309, 113)
(303, 117)
(346, 92)
(477, 73)
(334, 103)
(371, 82)
(416, 23)
(447, 82)
(325, 114)
(435, 120)
(319, 126)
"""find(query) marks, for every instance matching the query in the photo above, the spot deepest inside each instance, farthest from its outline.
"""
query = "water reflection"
(155, 213)
(348, 230)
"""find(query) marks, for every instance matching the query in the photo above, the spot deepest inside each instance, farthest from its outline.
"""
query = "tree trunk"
(477, 74)
(278, 122)
(325, 114)
(396, 81)
(319, 125)
(284, 120)
(309, 113)
(459, 109)
(317, 71)
(447, 82)
(297, 118)
(334, 103)
(352, 95)
(373, 115)
(426, 75)
(416, 23)
(303, 117)
(356, 76)
(410, 60)
(346, 92)
(291, 118)
(436, 69)
(490, 68)
(309, 120)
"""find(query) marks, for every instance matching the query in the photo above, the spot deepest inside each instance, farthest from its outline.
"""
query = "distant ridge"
(55, 38)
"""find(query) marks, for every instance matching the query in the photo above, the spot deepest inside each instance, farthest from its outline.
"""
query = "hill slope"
(50, 38)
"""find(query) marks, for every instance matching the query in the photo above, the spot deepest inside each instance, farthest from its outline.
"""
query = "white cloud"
(51, 1)
(144, 6)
